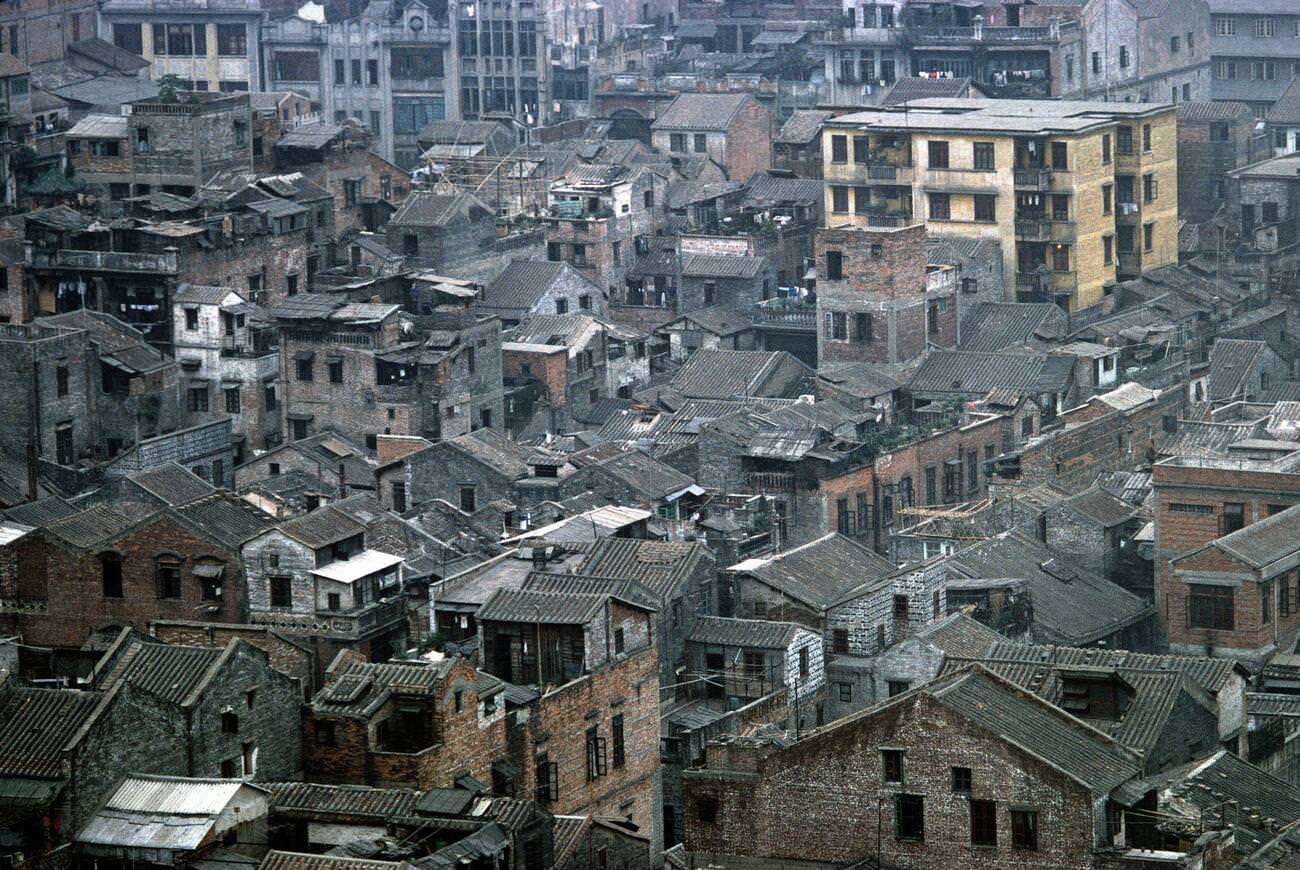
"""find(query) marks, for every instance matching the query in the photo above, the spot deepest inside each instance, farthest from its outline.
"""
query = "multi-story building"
(398, 68)
(1213, 138)
(1253, 51)
(600, 217)
(733, 130)
(877, 300)
(41, 31)
(210, 46)
(350, 366)
(228, 354)
(1080, 195)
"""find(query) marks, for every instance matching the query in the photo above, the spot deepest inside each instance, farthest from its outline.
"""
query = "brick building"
(877, 301)
(584, 741)
(1213, 138)
(100, 569)
(239, 715)
(969, 769)
(527, 287)
(733, 130)
(441, 231)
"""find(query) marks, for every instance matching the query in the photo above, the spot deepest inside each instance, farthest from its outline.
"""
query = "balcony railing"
(984, 34)
(1033, 229)
(770, 481)
(1034, 179)
(783, 312)
(346, 624)
(106, 261)
(888, 220)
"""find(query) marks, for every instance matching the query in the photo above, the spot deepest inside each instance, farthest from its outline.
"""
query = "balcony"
(865, 35)
(1033, 179)
(786, 314)
(1033, 230)
(887, 220)
(1032, 282)
(232, 347)
(348, 625)
(982, 34)
(105, 261)
(769, 481)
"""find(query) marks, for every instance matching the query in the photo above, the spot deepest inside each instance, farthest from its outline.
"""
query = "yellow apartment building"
(1079, 194)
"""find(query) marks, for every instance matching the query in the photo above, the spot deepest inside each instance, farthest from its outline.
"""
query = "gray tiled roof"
(726, 374)
(993, 326)
(203, 294)
(701, 112)
(1265, 541)
(278, 860)
(528, 605)
(494, 450)
(1070, 606)
(1097, 762)
(226, 519)
(1101, 506)
(771, 186)
(35, 725)
(961, 373)
(523, 282)
(919, 88)
(322, 527)
(820, 573)
(644, 475)
(1224, 777)
(172, 483)
(428, 209)
(1287, 108)
(1231, 362)
(90, 527)
(803, 126)
(350, 800)
(361, 688)
(170, 672)
(720, 319)
(40, 512)
(660, 566)
(1210, 673)
(757, 633)
(709, 266)
(1201, 439)
(1213, 110)
(959, 635)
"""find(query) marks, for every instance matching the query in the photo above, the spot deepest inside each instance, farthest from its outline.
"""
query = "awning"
(505, 768)
(304, 354)
(231, 385)
(693, 489)
(209, 571)
(33, 793)
(296, 415)
(198, 382)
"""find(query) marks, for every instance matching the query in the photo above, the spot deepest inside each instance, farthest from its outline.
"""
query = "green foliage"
(169, 88)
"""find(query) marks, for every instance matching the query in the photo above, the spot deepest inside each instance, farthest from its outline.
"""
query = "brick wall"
(291, 658)
(748, 145)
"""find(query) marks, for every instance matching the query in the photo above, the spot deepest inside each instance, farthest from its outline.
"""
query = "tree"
(169, 85)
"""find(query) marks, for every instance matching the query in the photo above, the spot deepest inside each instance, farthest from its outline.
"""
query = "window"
(179, 40)
(616, 737)
(324, 731)
(983, 155)
(597, 763)
(167, 574)
(468, 499)
(1263, 70)
(197, 399)
(701, 143)
(61, 380)
(1225, 69)
(839, 149)
(986, 208)
(961, 780)
(1123, 57)
(706, 810)
(232, 400)
(1096, 62)
(104, 148)
(892, 764)
(909, 817)
(845, 693)
(834, 265)
(1105, 148)
(1234, 517)
(128, 36)
(399, 496)
(232, 40)
(803, 663)
(372, 74)
(229, 722)
(983, 823)
(1107, 191)
(1024, 829)
(861, 200)
(839, 326)
(1061, 156)
(1150, 188)
(839, 198)
(1060, 258)
(1107, 250)
(335, 367)
(304, 368)
(861, 149)
(940, 206)
(677, 142)
(1148, 237)
(1268, 212)
(863, 326)
(1266, 603)
(548, 779)
(1146, 138)
(620, 638)
(1124, 139)
(1210, 607)
(110, 574)
(1264, 27)
(191, 319)
(840, 641)
(268, 395)
(413, 114)
(281, 591)
(938, 153)
(1175, 44)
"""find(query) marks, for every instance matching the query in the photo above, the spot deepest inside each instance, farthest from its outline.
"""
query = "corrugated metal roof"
(173, 795)
(99, 127)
